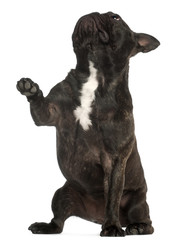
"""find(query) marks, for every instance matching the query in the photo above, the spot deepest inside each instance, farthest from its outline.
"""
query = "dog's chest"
(96, 107)
(82, 113)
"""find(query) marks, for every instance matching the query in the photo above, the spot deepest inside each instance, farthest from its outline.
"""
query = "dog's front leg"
(113, 189)
(43, 111)
(114, 183)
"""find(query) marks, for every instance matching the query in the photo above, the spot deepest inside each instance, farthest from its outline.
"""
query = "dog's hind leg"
(138, 214)
(66, 202)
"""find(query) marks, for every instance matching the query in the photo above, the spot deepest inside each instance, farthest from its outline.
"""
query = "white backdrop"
(35, 42)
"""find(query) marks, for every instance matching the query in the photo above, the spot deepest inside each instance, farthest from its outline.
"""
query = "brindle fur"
(105, 180)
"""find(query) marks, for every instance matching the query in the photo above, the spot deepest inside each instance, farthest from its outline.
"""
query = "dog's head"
(95, 33)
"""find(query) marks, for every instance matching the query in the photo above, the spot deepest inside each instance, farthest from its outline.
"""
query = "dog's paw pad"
(27, 87)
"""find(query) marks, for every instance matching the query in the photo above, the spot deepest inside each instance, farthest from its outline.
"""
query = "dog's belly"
(80, 162)
(85, 175)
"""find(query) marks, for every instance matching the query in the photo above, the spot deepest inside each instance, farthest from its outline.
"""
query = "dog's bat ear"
(104, 37)
(146, 43)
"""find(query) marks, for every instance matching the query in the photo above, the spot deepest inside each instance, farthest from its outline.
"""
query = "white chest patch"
(82, 112)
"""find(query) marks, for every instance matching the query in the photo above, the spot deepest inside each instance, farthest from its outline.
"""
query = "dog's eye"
(116, 18)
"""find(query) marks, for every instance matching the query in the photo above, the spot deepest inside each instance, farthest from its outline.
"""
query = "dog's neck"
(95, 83)
(108, 74)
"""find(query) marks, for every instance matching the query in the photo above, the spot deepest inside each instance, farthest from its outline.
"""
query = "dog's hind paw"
(139, 229)
(44, 228)
(27, 87)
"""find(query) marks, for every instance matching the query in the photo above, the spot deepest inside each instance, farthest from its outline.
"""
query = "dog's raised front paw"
(27, 87)
(112, 231)
(44, 228)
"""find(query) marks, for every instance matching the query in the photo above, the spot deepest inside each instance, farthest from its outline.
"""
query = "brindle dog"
(96, 145)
